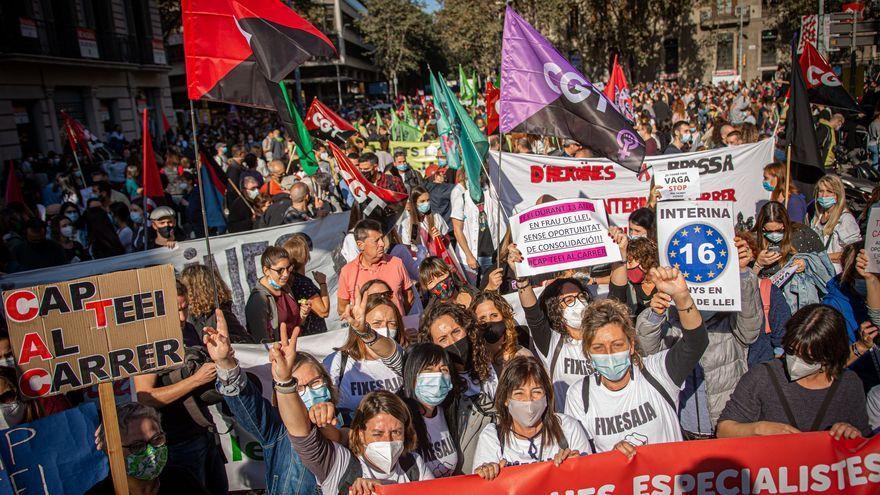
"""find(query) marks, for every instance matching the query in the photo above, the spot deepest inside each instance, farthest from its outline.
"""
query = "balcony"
(23, 37)
(711, 19)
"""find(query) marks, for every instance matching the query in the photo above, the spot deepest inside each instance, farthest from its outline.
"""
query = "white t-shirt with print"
(330, 485)
(359, 379)
(516, 449)
(571, 366)
(442, 455)
(637, 413)
(846, 232)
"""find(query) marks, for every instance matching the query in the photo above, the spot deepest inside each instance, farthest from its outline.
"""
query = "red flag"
(76, 134)
(326, 124)
(165, 125)
(437, 248)
(211, 165)
(493, 96)
(823, 86)
(366, 193)
(150, 171)
(13, 189)
(617, 91)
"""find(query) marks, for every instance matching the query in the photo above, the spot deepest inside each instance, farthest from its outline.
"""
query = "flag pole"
(72, 137)
(498, 192)
(787, 173)
(199, 165)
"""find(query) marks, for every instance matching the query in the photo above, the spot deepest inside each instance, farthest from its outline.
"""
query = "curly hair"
(644, 251)
(479, 354)
(200, 289)
(609, 312)
(550, 299)
(503, 307)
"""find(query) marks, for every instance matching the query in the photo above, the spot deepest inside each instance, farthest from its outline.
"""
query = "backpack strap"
(343, 361)
(585, 393)
(352, 472)
(774, 380)
(554, 356)
(764, 288)
(652, 380)
(820, 415)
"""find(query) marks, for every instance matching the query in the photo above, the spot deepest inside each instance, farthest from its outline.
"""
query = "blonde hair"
(297, 251)
(200, 289)
(833, 183)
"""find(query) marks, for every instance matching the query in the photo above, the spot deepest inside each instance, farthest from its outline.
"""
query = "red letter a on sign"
(32, 346)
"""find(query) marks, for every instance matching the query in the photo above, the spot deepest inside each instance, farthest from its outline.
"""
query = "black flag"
(799, 131)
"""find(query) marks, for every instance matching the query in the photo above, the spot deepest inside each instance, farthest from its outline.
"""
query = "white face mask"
(386, 332)
(527, 413)
(67, 231)
(11, 414)
(253, 193)
(383, 455)
(574, 314)
(798, 368)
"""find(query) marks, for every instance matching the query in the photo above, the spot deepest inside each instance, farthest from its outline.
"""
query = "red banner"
(493, 95)
(801, 464)
(326, 124)
(366, 193)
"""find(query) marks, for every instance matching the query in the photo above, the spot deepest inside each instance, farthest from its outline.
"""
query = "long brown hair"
(508, 351)
(517, 372)
(355, 347)
(373, 404)
(415, 217)
(778, 171)
(774, 212)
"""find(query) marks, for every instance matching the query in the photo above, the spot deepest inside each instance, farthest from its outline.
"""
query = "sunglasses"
(158, 440)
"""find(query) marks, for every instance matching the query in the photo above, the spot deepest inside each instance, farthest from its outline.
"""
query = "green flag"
(444, 126)
(402, 131)
(301, 137)
(464, 87)
(471, 141)
(475, 92)
(407, 116)
(379, 121)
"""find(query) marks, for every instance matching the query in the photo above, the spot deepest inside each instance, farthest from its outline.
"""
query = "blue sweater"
(850, 304)
(761, 350)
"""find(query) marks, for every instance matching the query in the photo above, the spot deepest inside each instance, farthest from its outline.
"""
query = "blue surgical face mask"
(826, 201)
(275, 285)
(686, 138)
(612, 366)
(433, 387)
(401, 166)
(312, 396)
(424, 207)
(774, 237)
(441, 162)
(768, 186)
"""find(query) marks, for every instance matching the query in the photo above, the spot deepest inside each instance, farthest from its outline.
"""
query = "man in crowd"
(164, 231)
(411, 178)
(301, 208)
(826, 135)
(368, 163)
(681, 138)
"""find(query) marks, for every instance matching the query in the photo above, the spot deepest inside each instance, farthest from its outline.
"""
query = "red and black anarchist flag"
(327, 125)
(800, 134)
(823, 85)
(237, 51)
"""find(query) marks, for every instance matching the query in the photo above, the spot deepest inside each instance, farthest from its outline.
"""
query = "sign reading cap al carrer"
(81, 332)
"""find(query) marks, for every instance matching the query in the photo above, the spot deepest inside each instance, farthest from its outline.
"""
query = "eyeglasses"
(314, 385)
(279, 271)
(569, 299)
(158, 440)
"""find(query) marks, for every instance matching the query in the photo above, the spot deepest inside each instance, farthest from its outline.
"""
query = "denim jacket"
(285, 473)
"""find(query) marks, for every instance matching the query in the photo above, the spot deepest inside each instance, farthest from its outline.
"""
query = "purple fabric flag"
(541, 93)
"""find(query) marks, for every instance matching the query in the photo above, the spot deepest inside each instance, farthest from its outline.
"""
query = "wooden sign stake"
(112, 438)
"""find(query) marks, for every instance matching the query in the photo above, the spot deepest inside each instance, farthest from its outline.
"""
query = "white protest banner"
(237, 257)
(726, 174)
(872, 240)
(677, 185)
(563, 234)
(697, 238)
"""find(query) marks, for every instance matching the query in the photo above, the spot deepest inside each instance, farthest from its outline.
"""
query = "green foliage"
(395, 28)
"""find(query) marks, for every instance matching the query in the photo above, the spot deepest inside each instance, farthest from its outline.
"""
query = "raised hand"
(355, 312)
(514, 256)
(744, 252)
(669, 280)
(495, 279)
(217, 343)
(862, 266)
(660, 302)
(620, 238)
(319, 277)
(282, 355)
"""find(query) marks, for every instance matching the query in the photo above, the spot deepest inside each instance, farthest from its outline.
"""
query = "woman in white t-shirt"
(454, 328)
(832, 220)
(356, 369)
(633, 400)
(528, 428)
(430, 392)
(381, 441)
(554, 323)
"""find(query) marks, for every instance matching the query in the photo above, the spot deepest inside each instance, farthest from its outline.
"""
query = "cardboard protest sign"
(681, 184)
(55, 454)
(563, 234)
(872, 240)
(77, 333)
(697, 238)
(418, 153)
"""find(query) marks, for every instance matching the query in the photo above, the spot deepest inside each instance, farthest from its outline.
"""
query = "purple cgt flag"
(541, 93)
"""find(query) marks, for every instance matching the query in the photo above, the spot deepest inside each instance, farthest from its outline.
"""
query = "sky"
(432, 5)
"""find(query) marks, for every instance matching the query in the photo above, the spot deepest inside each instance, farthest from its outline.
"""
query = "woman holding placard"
(644, 390)
(832, 220)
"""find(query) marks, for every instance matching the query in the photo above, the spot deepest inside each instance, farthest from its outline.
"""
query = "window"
(670, 56)
(724, 7)
(768, 48)
(724, 52)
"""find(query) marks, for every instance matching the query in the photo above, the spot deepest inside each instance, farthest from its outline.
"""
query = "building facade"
(101, 61)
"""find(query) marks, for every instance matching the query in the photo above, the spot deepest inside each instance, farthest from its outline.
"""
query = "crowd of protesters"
(470, 389)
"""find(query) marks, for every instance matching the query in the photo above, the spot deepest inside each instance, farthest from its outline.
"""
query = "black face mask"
(166, 232)
(493, 331)
(460, 352)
